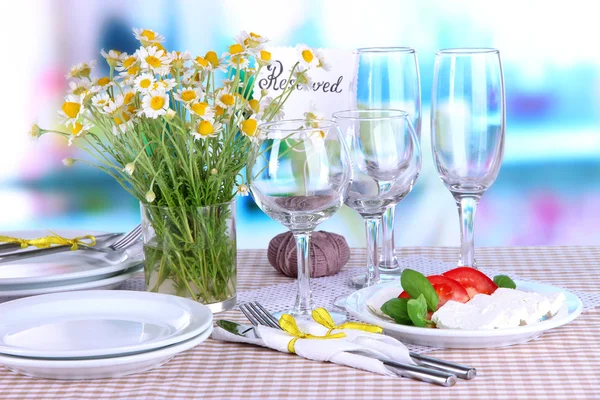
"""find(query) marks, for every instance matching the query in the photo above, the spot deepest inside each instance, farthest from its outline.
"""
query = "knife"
(19, 255)
(417, 372)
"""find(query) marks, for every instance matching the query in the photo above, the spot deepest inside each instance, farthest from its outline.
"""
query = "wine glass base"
(360, 281)
(388, 267)
(338, 317)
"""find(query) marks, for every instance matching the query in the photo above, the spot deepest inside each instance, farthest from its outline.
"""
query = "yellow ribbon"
(288, 324)
(47, 241)
(322, 317)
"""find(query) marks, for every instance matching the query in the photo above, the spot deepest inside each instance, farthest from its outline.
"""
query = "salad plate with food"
(463, 308)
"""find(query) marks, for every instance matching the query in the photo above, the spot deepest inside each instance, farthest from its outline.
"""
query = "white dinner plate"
(106, 283)
(356, 305)
(71, 266)
(98, 323)
(111, 367)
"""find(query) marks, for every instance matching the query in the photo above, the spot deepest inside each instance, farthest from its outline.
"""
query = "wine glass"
(388, 78)
(299, 174)
(386, 160)
(467, 130)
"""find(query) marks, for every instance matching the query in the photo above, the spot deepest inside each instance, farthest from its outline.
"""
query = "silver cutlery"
(122, 242)
(254, 310)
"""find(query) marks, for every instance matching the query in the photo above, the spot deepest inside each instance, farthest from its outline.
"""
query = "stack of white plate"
(98, 333)
(71, 270)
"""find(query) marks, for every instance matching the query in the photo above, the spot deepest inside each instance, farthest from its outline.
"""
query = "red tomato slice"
(446, 289)
(472, 280)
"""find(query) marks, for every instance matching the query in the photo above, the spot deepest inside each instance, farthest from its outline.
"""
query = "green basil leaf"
(416, 284)
(504, 281)
(396, 309)
(417, 310)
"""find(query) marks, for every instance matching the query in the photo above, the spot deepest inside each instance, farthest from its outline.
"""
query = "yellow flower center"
(85, 71)
(128, 62)
(101, 102)
(157, 102)
(104, 81)
(148, 34)
(205, 128)
(131, 108)
(76, 128)
(128, 97)
(202, 61)
(153, 61)
(188, 95)
(133, 71)
(302, 79)
(265, 55)
(238, 59)
(80, 90)
(227, 99)
(71, 109)
(235, 48)
(200, 108)
(212, 58)
(219, 111)
(307, 55)
(255, 35)
(145, 83)
(122, 119)
(249, 127)
(159, 46)
(254, 105)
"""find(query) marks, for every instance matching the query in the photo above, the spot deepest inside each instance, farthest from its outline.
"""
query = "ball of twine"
(329, 252)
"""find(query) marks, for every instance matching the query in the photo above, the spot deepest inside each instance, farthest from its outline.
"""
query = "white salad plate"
(70, 267)
(357, 305)
(111, 367)
(112, 282)
(98, 323)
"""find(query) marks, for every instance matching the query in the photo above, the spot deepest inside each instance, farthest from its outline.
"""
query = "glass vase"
(191, 252)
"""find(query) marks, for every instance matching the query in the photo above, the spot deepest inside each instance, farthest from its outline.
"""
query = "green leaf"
(396, 309)
(417, 310)
(504, 281)
(416, 284)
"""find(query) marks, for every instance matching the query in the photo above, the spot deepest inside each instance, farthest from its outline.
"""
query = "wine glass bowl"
(299, 174)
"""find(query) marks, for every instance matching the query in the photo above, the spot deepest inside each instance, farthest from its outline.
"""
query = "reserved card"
(330, 91)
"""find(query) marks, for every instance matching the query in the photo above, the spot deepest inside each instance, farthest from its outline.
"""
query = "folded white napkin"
(331, 350)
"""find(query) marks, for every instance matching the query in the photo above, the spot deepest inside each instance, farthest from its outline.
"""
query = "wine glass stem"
(467, 204)
(387, 242)
(372, 226)
(304, 300)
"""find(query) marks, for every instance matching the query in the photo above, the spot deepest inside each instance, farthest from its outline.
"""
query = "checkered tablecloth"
(563, 364)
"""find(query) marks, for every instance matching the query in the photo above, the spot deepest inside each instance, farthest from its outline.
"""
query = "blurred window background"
(548, 189)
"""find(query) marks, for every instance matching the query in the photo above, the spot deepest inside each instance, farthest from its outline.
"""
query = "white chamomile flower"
(129, 168)
(201, 109)
(78, 130)
(150, 196)
(249, 126)
(164, 84)
(130, 74)
(236, 49)
(170, 114)
(119, 128)
(270, 109)
(147, 36)
(253, 106)
(80, 86)
(71, 109)
(214, 62)
(224, 99)
(100, 101)
(307, 56)
(301, 78)
(321, 63)
(102, 83)
(238, 61)
(128, 96)
(178, 59)
(252, 41)
(189, 94)
(113, 57)
(206, 128)
(114, 106)
(153, 59)
(263, 57)
(144, 82)
(243, 190)
(81, 70)
(155, 103)
(313, 116)
(126, 62)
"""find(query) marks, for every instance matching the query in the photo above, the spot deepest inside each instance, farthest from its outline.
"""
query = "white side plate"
(106, 283)
(98, 323)
(113, 367)
(356, 305)
(73, 266)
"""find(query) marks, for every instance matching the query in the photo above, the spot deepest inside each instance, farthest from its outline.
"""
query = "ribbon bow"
(322, 317)
(47, 241)
(288, 324)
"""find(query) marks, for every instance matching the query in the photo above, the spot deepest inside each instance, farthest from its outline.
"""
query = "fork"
(258, 315)
(123, 242)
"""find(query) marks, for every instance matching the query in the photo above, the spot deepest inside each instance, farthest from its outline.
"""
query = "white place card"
(330, 90)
